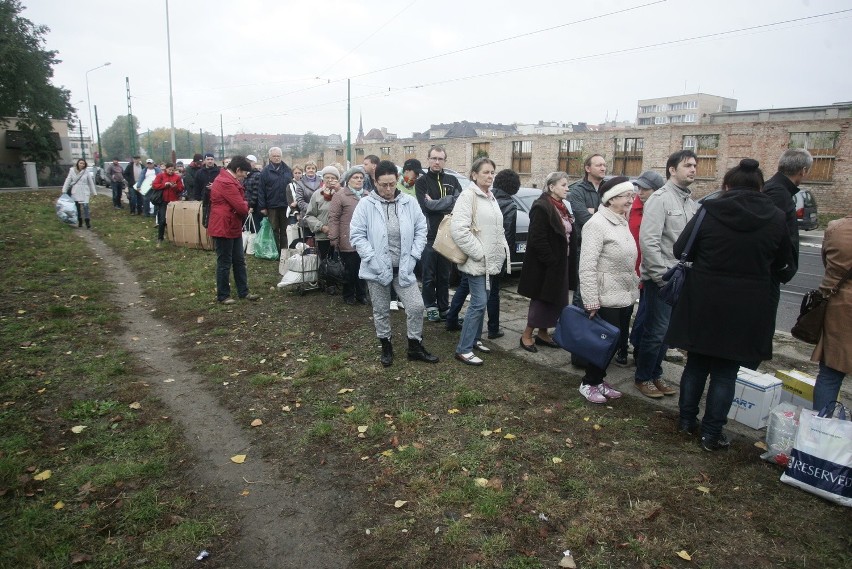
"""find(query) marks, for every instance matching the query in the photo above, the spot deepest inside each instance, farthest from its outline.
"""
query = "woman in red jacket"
(228, 211)
(170, 183)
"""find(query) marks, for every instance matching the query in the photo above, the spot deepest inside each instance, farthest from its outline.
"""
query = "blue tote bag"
(594, 340)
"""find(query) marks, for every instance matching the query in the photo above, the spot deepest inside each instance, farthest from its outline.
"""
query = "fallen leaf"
(498, 430)
(684, 555)
(400, 503)
(226, 358)
(349, 409)
(256, 423)
(453, 411)
(43, 475)
(704, 489)
(286, 408)
(59, 505)
(245, 493)
(77, 558)
(486, 433)
(556, 460)
(238, 458)
(200, 319)
(509, 436)
(170, 380)
(363, 428)
(263, 361)
(481, 482)
(42, 390)
(345, 390)
(761, 445)
(567, 562)
(135, 405)
(586, 418)
(78, 429)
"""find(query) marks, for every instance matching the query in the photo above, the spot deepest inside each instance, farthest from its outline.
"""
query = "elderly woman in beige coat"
(477, 228)
(608, 274)
(834, 350)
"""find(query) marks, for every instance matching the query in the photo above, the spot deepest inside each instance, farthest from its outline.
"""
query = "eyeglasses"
(436, 159)
(386, 186)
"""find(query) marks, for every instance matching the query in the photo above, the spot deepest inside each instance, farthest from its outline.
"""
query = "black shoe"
(331, 290)
(454, 327)
(349, 301)
(498, 334)
(687, 428)
(387, 351)
(531, 349)
(363, 301)
(443, 315)
(719, 443)
(416, 352)
(620, 359)
(542, 342)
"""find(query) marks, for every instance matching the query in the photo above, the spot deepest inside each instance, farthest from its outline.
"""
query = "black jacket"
(272, 190)
(509, 208)
(781, 189)
(547, 261)
(128, 175)
(582, 195)
(203, 178)
(725, 307)
(189, 181)
(252, 185)
(443, 189)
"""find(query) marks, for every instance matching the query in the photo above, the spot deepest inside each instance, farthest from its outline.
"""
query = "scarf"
(358, 193)
(311, 183)
(327, 195)
(560, 207)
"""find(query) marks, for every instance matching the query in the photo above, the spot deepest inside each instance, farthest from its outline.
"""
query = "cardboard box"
(754, 397)
(183, 226)
(797, 388)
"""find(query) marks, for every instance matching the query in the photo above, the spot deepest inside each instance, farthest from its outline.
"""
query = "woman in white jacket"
(80, 186)
(477, 229)
(608, 274)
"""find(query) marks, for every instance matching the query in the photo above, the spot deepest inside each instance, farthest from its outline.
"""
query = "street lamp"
(88, 98)
(163, 149)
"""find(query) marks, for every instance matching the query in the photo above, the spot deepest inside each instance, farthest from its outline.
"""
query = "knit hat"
(197, 157)
(413, 164)
(352, 171)
(329, 170)
(614, 187)
(650, 180)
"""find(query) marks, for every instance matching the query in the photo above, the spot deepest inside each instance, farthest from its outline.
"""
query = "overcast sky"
(281, 66)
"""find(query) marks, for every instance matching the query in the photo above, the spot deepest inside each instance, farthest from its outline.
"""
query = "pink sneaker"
(608, 391)
(592, 393)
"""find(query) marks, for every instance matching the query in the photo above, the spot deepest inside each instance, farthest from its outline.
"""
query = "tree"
(26, 70)
(311, 143)
(115, 140)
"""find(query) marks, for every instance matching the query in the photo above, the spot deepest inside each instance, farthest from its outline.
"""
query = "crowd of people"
(603, 244)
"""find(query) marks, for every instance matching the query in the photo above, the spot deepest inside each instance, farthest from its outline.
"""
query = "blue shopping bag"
(593, 339)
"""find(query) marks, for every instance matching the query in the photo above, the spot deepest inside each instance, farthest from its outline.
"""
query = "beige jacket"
(835, 345)
(608, 262)
(486, 247)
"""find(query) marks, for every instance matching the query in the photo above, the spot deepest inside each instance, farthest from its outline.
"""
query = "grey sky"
(279, 67)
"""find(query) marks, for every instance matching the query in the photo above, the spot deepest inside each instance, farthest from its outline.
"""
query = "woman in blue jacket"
(388, 230)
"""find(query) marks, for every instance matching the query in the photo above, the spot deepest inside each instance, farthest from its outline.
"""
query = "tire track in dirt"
(280, 525)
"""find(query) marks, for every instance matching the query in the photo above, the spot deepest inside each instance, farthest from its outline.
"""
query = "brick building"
(720, 143)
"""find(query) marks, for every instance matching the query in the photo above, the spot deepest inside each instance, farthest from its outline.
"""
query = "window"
(385, 150)
(338, 152)
(359, 152)
(823, 147)
(480, 149)
(691, 105)
(647, 109)
(646, 121)
(706, 147)
(628, 156)
(522, 156)
(689, 118)
(661, 120)
(320, 162)
(571, 157)
(408, 150)
(676, 106)
(676, 118)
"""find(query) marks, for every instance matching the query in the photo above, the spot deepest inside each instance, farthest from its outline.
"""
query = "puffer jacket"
(80, 185)
(317, 214)
(252, 186)
(343, 205)
(369, 236)
(486, 248)
(666, 213)
(608, 262)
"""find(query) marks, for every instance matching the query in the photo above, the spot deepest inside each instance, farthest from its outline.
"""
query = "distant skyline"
(283, 67)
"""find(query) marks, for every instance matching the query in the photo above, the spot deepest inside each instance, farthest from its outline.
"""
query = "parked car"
(806, 208)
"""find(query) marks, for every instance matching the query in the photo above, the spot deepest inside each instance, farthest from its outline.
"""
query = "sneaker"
(664, 387)
(443, 315)
(250, 296)
(227, 301)
(687, 428)
(673, 355)
(718, 443)
(648, 389)
(592, 393)
(432, 315)
(394, 305)
(400, 305)
(620, 359)
(608, 391)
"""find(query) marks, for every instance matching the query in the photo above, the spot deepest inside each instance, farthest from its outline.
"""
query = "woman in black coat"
(547, 275)
(725, 314)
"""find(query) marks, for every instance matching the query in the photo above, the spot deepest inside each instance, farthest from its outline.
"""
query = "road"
(808, 278)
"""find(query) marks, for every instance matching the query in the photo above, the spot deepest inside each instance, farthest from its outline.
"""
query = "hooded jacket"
(369, 236)
(442, 188)
(725, 307)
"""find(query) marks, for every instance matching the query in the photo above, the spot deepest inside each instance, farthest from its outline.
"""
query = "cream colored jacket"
(608, 262)
(485, 245)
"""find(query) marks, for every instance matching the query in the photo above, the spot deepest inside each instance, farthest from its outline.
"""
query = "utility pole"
(201, 140)
(150, 148)
(82, 146)
(348, 123)
(222, 134)
(98, 131)
(189, 142)
(131, 132)
(171, 99)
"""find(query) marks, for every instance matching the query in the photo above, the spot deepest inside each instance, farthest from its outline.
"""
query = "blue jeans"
(436, 279)
(116, 193)
(827, 386)
(492, 307)
(229, 253)
(472, 327)
(638, 324)
(720, 394)
(652, 350)
(135, 200)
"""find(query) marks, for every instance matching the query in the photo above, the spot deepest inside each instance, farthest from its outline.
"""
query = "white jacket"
(81, 184)
(486, 248)
(608, 262)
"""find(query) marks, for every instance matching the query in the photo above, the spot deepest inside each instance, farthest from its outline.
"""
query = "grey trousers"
(412, 299)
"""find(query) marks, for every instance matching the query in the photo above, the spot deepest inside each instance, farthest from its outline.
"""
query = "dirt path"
(281, 525)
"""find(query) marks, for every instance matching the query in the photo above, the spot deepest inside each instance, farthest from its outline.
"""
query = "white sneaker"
(400, 305)
(608, 391)
(394, 305)
(592, 393)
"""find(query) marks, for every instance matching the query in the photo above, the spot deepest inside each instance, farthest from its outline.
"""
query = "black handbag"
(157, 197)
(808, 326)
(676, 276)
(332, 269)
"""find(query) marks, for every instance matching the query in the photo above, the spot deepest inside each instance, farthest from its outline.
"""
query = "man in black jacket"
(131, 173)
(189, 177)
(203, 182)
(272, 194)
(436, 193)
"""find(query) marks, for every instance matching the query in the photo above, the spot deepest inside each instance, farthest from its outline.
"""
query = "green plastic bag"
(264, 243)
